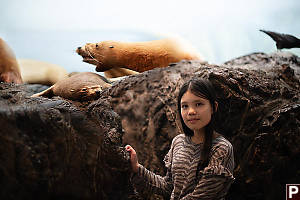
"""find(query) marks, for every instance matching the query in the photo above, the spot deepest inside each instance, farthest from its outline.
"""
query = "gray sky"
(219, 29)
(154, 15)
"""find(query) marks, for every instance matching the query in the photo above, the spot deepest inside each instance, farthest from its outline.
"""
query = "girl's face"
(195, 111)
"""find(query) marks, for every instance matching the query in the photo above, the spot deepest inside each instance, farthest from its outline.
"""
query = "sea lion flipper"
(118, 72)
(46, 93)
(275, 36)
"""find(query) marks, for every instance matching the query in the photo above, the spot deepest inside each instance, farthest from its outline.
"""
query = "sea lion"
(82, 86)
(38, 72)
(9, 68)
(137, 56)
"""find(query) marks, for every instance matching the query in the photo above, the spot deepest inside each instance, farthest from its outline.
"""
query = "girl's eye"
(184, 106)
(198, 104)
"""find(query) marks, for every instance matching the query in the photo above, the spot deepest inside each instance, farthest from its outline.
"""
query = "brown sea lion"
(136, 56)
(38, 72)
(9, 68)
(81, 87)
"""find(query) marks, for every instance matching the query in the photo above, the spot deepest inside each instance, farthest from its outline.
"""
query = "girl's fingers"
(133, 158)
(128, 148)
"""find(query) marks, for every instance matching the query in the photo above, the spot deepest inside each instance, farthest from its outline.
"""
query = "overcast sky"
(155, 15)
(220, 29)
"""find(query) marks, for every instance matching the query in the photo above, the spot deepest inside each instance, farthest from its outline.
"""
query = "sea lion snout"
(80, 50)
(91, 92)
(87, 55)
(98, 92)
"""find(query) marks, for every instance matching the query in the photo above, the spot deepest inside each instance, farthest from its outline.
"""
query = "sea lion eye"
(111, 47)
(97, 45)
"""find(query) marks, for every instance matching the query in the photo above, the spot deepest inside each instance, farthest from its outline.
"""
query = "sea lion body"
(38, 72)
(81, 86)
(136, 56)
(9, 68)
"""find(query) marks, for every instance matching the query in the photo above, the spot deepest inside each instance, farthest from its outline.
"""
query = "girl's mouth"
(193, 121)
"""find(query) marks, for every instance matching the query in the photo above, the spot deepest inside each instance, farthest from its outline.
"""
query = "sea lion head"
(102, 54)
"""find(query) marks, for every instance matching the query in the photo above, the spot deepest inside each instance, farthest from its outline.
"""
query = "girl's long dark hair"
(202, 88)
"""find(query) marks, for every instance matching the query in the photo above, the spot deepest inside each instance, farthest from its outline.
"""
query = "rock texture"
(58, 149)
(62, 149)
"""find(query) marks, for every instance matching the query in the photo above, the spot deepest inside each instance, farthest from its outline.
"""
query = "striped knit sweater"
(181, 162)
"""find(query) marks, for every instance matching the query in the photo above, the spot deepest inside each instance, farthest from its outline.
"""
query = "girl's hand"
(133, 158)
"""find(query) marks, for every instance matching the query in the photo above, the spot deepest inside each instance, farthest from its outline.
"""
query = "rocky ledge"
(61, 149)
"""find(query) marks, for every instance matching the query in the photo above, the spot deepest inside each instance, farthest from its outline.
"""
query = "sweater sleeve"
(146, 180)
(216, 178)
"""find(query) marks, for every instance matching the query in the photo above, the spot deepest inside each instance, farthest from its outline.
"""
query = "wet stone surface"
(62, 149)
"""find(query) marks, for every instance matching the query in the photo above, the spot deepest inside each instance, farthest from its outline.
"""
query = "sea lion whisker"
(99, 55)
(92, 56)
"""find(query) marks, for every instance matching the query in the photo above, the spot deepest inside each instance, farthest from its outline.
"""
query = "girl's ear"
(216, 106)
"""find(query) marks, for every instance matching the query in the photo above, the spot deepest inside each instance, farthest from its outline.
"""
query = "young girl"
(200, 162)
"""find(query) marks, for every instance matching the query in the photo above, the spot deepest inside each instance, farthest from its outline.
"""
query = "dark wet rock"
(57, 149)
(69, 150)
(284, 64)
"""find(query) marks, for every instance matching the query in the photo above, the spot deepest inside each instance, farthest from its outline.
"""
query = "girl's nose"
(192, 111)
